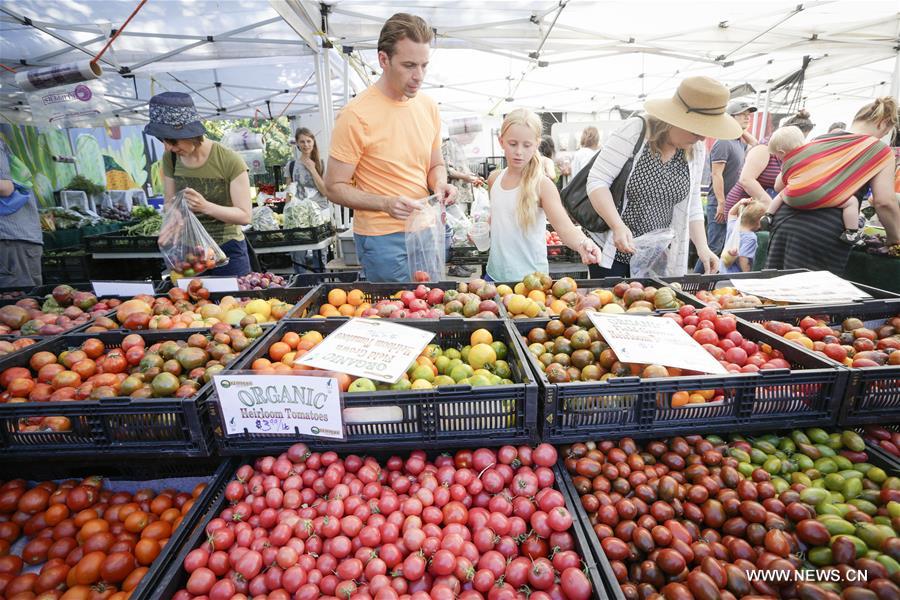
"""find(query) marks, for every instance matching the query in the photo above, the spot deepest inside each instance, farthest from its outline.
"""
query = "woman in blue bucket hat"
(214, 179)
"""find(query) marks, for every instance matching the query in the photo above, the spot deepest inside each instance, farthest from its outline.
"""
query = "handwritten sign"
(280, 404)
(122, 288)
(371, 348)
(654, 340)
(213, 284)
(814, 287)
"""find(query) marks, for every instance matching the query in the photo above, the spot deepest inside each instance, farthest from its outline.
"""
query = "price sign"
(654, 340)
(122, 288)
(280, 404)
(814, 287)
(213, 284)
(371, 348)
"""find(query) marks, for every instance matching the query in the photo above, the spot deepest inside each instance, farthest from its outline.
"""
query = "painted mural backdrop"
(32, 161)
(115, 158)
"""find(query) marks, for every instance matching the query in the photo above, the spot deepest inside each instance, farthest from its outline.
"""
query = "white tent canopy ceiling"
(578, 56)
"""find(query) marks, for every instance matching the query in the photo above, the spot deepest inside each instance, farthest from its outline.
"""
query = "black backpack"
(575, 198)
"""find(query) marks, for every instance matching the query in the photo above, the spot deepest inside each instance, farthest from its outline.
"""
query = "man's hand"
(475, 180)
(400, 207)
(720, 213)
(446, 193)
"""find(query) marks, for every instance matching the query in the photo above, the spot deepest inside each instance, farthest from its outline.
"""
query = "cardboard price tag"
(213, 284)
(122, 288)
(814, 287)
(280, 404)
(370, 348)
(654, 340)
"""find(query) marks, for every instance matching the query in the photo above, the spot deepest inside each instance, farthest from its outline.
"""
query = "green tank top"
(212, 180)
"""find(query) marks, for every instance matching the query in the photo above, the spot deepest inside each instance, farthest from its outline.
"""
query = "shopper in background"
(307, 172)
(837, 126)
(523, 199)
(663, 188)
(744, 215)
(590, 145)
(757, 178)
(547, 151)
(809, 239)
(386, 151)
(214, 179)
(800, 120)
(21, 239)
(726, 161)
(459, 174)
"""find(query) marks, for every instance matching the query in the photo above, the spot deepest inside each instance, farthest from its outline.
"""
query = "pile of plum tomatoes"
(479, 524)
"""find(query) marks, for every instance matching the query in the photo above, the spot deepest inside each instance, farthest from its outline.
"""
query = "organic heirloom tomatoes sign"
(654, 340)
(280, 404)
(371, 348)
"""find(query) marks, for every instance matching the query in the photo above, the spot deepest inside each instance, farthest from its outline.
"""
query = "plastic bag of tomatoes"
(86, 538)
(186, 246)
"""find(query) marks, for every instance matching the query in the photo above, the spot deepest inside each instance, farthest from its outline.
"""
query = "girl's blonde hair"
(658, 133)
(529, 195)
(786, 139)
(881, 110)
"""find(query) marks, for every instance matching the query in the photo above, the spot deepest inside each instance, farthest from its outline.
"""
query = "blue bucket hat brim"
(163, 131)
(173, 116)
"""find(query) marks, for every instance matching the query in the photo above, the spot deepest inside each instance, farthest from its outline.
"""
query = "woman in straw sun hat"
(214, 179)
(662, 190)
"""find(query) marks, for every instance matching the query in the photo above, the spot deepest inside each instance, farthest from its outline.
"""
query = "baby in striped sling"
(825, 173)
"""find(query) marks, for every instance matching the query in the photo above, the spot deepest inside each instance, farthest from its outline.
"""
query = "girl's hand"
(623, 239)
(308, 163)
(710, 261)
(172, 228)
(195, 201)
(589, 251)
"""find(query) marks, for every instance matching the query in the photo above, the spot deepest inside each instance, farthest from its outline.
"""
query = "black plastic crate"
(120, 426)
(373, 292)
(439, 418)
(175, 577)
(65, 265)
(314, 279)
(580, 517)
(873, 393)
(117, 243)
(640, 408)
(693, 283)
(157, 475)
(290, 237)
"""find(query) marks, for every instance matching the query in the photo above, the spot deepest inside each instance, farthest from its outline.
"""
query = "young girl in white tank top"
(523, 199)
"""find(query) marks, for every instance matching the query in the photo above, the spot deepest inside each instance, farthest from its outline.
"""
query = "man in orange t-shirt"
(386, 151)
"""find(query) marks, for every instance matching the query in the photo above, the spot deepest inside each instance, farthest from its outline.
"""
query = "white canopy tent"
(578, 57)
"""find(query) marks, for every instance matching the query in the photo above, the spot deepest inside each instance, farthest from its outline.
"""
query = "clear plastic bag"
(460, 223)
(481, 205)
(732, 246)
(651, 253)
(263, 219)
(301, 211)
(425, 242)
(186, 246)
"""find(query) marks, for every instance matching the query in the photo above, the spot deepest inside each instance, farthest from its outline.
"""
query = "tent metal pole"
(765, 119)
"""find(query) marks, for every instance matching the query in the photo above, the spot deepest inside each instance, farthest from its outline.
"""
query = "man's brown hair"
(403, 26)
